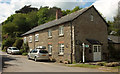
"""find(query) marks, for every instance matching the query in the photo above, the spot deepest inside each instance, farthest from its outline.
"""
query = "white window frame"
(50, 33)
(36, 37)
(61, 30)
(25, 39)
(91, 17)
(50, 49)
(97, 50)
(61, 49)
(30, 38)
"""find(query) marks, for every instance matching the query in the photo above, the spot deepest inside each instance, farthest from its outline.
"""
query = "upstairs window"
(36, 37)
(91, 17)
(49, 33)
(61, 30)
(30, 38)
(25, 39)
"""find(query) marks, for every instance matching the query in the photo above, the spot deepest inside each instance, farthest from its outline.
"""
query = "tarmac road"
(18, 63)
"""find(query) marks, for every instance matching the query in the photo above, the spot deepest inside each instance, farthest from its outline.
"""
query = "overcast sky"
(108, 8)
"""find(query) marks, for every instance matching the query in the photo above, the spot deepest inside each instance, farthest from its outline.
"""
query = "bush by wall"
(18, 43)
(114, 54)
(7, 43)
(25, 48)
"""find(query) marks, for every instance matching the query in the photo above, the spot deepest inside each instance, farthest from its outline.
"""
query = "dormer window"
(91, 17)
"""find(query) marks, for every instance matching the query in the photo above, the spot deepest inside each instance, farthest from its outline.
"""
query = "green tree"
(116, 25)
(18, 43)
(20, 21)
(9, 28)
(32, 19)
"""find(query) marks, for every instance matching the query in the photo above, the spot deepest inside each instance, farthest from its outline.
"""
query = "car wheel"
(35, 59)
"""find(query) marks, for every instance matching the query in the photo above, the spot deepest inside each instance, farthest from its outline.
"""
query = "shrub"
(18, 43)
(7, 43)
(25, 47)
(101, 63)
(113, 64)
(24, 54)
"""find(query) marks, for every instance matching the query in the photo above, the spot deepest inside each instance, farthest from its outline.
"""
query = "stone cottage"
(64, 36)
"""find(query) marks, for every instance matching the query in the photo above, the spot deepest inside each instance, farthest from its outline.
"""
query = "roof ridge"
(63, 19)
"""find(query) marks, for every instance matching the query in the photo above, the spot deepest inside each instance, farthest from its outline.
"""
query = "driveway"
(18, 63)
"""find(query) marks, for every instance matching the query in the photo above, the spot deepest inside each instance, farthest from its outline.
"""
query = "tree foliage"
(26, 9)
(18, 43)
(65, 12)
(26, 18)
(115, 26)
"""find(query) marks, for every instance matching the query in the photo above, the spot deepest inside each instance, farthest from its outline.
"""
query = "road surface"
(18, 63)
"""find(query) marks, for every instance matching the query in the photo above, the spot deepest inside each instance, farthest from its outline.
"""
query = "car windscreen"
(15, 49)
(43, 51)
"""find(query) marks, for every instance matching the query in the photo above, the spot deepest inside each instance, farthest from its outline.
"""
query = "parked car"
(38, 54)
(13, 50)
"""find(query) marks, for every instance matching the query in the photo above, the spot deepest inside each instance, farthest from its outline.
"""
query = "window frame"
(49, 33)
(30, 39)
(61, 30)
(91, 17)
(50, 49)
(61, 49)
(25, 39)
(97, 50)
(37, 35)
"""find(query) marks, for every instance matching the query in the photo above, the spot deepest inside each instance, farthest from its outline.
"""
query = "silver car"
(38, 54)
(13, 50)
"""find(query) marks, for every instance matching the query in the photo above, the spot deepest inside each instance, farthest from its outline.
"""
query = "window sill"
(61, 54)
(61, 35)
(36, 40)
(50, 54)
(30, 41)
(50, 37)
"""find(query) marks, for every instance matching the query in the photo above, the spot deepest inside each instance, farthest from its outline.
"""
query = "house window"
(61, 30)
(97, 48)
(25, 39)
(61, 49)
(49, 33)
(91, 17)
(30, 38)
(50, 49)
(36, 37)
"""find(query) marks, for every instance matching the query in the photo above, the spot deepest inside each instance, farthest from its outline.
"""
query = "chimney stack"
(58, 13)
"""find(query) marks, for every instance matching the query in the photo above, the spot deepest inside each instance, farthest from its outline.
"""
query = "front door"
(96, 52)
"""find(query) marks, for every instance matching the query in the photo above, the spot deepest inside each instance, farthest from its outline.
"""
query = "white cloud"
(108, 8)
(10, 8)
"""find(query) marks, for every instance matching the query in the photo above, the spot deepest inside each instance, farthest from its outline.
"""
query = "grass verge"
(84, 65)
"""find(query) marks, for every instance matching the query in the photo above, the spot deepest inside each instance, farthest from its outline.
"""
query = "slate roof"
(55, 22)
(93, 41)
(113, 39)
(61, 20)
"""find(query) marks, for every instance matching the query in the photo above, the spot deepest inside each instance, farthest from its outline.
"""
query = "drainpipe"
(71, 43)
